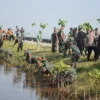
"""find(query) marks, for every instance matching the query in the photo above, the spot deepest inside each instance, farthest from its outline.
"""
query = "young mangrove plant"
(62, 22)
(95, 80)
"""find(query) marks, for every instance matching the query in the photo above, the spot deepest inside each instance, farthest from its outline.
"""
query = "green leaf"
(33, 24)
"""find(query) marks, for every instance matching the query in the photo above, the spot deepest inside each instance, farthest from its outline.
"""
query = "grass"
(83, 67)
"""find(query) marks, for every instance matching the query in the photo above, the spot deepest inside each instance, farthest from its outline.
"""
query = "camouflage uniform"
(20, 45)
(66, 46)
(54, 42)
(75, 54)
(1, 41)
(61, 41)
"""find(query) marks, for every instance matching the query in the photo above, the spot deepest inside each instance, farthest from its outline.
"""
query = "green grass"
(83, 67)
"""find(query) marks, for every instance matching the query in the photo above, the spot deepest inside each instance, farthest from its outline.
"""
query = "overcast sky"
(25, 12)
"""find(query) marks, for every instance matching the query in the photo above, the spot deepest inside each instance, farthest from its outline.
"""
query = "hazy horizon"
(23, 13)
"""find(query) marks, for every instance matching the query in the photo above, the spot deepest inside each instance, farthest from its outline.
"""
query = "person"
(67, 47)
(81, 40)
(91, 45)
(4, 34)
(20, 45)
(75, 34)
(54, 40)
(75, 53)
(10, 34)
(98, 47)
(22, 33)
(39, 38)
(61, 38)
(17, 31)
(71, 32)
(1, 40)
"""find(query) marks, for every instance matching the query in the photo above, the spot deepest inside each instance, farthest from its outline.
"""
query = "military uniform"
(1, 41)
(54, 42)
(66, 46)
(20, 45)
(75, 54)
(61, 37)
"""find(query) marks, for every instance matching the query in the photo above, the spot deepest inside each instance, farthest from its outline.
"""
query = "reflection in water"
(17, 76)
(27, 82)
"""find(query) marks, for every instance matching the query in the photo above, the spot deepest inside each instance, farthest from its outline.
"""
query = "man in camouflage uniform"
(66, 46)
(54, 40)
(75, 53)
(61, 38)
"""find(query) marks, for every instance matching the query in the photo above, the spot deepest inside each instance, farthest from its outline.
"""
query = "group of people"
(9, 35)
(77, 42)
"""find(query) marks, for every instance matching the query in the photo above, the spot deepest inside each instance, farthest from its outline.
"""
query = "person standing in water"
(39, 38)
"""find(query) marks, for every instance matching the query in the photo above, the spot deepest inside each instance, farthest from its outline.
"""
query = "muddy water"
(16, 85)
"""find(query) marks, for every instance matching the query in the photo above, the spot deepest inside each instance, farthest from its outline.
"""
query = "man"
(54, 40)
(91, 45)
(97, 41)
(17, 31)
(81, 40)
(71, 32)
(10, 34)
(98, 48)
(75, 53)
(75, 32)
(61, 38)
(1, 40)
(20, 45)
(22, 33)
(39, 38)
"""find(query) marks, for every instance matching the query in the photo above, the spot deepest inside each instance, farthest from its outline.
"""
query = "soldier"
(75, 53)
(54, 39)
(81, 40)
(75, 34)
(39, 38)
(61, 38)
(66, 47)
(20, 45)
(71, 32)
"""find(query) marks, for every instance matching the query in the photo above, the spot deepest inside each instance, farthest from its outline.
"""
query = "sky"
(23, 13)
